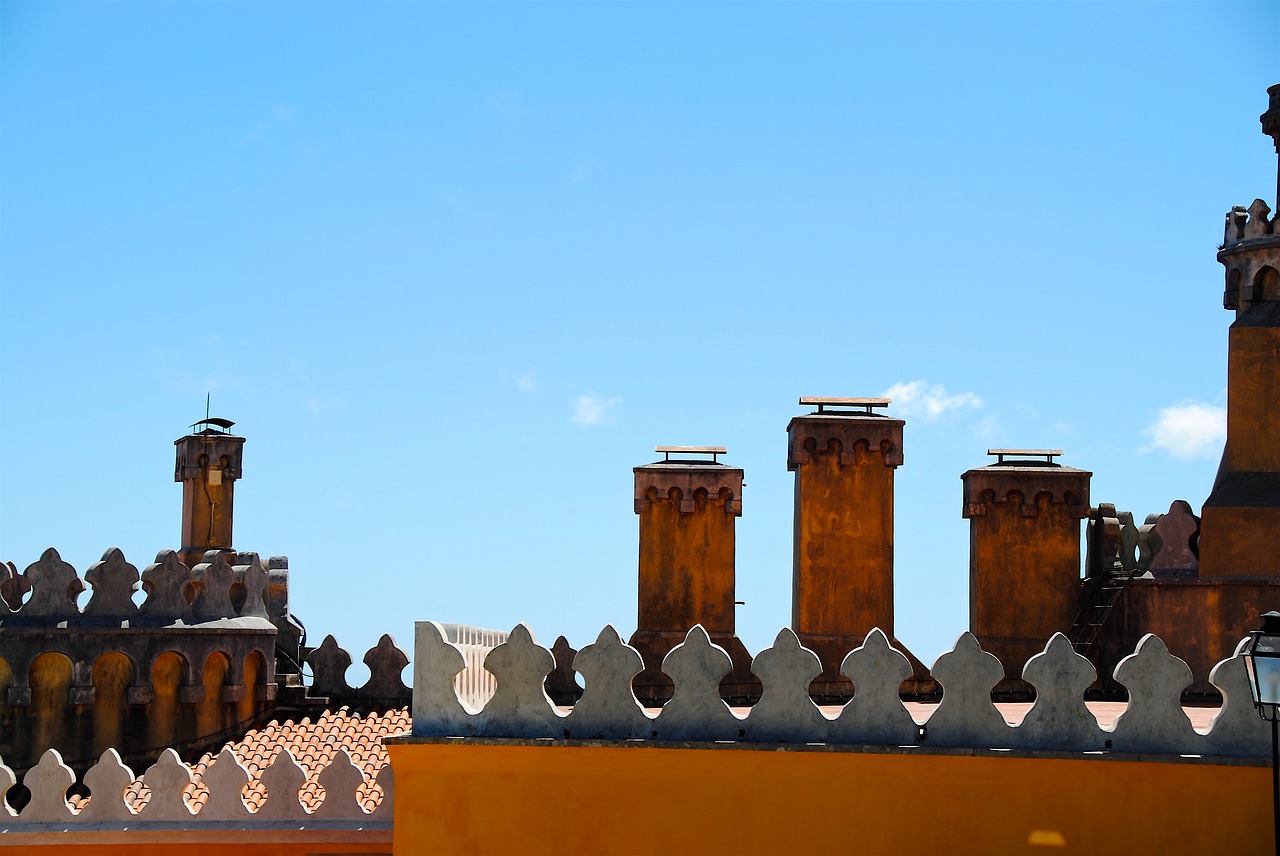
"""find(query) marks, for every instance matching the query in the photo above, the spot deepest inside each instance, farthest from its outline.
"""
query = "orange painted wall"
(520, 798)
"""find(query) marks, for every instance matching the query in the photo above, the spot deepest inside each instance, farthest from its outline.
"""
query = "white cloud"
(591, 410)
(527, 381)
(927, 401)
(1188, 430)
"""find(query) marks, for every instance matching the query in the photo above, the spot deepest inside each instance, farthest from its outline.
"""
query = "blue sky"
(455, 269)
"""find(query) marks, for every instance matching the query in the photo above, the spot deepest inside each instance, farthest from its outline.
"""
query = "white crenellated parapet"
(111, 807)
(1153, 723)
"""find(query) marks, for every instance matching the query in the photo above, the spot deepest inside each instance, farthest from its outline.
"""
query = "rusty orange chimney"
(1024, 551)
(208, 465)
(687, 508)
(844, 456)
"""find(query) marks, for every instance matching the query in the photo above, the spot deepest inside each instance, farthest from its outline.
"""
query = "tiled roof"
(314, 745)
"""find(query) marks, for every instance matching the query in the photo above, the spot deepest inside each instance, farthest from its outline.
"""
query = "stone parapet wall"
(966, 717)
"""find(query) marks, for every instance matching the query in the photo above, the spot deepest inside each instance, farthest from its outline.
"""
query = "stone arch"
(50, 677)
(1232, 297)
(212, 715)
(170, 673)
(112, 675)
(6, 713)
(255, 676)
(1266, 284)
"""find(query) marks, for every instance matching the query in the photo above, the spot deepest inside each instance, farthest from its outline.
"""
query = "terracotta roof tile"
(314, 746)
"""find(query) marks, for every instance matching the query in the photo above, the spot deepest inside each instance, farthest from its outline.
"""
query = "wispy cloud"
(508, 104)
(591, 410)
(527, 381)
(927, 401)
(281, 114)
(1188, 430)
(582, 172)
(322, 404)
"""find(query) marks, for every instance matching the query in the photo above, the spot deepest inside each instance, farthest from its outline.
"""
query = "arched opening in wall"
(7, 725)
(1266, 284)
(1232, 298)
(50, 679)
(255, 670)
(167, 676)
(112, 677)
(212, 715)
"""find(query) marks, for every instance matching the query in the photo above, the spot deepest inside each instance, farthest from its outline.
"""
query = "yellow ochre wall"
(514, 797)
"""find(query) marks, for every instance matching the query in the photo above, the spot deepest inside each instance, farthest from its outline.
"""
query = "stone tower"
(208, 464)
(1240, 526)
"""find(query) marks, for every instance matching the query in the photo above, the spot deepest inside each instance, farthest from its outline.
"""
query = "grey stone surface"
(225, 778)
(966, 715)
(875, 715)
(54, 587)
(213, 576)
(163, 581)
(340, 780)
(1236, 729)
(520, 705)
(608, 708)
(696, 711)
(329, 665)
(13, 587)
(1171, 536)
(107, 781)
(785, 713)
(166, 780)
(1059, 718)
(7, 780)
(386, 662)
(283, 779)
(437, 709)
(48, 782)
(113, 581)
(1154, 720)
(254, 578)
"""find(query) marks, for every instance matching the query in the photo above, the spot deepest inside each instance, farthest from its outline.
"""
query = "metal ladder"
(1104, 594)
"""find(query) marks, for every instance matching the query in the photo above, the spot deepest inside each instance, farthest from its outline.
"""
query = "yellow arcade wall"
(508, 797)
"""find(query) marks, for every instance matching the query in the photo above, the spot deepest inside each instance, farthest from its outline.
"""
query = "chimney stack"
(208, 464)
(687, 509)
(1024, 551)
(844, 455)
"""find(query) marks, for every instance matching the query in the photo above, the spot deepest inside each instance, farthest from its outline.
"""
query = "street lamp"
(1262, 660)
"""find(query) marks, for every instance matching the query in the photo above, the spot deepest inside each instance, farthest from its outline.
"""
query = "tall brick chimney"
(208, 464)
(844, 456)
(687, 508)
(1024, 551)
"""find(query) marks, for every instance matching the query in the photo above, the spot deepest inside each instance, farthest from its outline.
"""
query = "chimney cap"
(668, 451)
(213, 425)
(824, 402)
(1047, 454)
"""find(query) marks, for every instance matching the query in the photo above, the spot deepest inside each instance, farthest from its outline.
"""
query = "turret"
(1240, 529)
